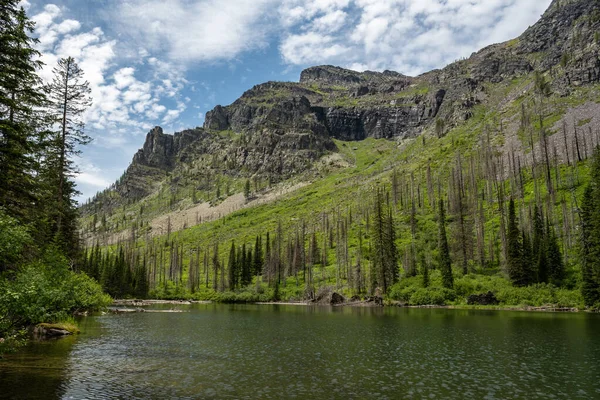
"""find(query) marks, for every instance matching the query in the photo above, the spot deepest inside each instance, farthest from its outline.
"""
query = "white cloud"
(68, 25)
(44, 19)
(92, 179)
(119, 98)
(155, 110)
(91, 176)
(294, 11)
(193, 30)
(124, 77)
(410, 36)
(310, 48)
(330, 22)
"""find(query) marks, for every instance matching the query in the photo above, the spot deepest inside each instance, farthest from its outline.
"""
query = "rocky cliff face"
(160, 150)
(275, 140)
(568, 34)
(159, 155)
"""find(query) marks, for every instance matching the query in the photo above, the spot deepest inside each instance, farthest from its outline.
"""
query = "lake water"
(297, 352)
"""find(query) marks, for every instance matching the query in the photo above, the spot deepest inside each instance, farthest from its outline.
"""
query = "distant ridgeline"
(427, 188)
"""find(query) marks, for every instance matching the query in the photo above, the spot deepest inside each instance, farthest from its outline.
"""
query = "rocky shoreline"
(134, 305)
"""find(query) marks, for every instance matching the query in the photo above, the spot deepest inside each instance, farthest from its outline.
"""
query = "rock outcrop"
(51, 331)
(568, 34)
(160, 150)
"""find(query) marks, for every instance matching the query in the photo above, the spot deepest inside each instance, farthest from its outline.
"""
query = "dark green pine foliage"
(94, 264)
(267, 256)
(391, 249)
(245, 263)
(384, 251)
(590, 237)
(247, 189)
(20, 96)
(249, 266)
(528, 266)
(233, 270)
(556, 264)
(444, 249)
(126, 277)
(542, 264)
(140, 281)
(114, 274)
(514, 260)
(539, 246)
(257, 260)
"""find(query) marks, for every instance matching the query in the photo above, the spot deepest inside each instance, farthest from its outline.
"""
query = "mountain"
(506, 122)
(277, 130)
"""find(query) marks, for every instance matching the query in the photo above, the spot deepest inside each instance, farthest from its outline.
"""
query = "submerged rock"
(49, 331)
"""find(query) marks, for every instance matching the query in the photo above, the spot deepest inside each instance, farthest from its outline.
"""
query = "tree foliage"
(69, 98)
(590, 237)
(40, 132)
(20, 96)
(385, 253)
(444, 249)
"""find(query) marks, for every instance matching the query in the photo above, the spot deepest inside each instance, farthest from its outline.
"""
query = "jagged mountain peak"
(159, 149)
(332, 75)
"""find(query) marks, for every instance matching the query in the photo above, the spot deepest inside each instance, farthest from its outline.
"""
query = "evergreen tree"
(542, 264)
(515, 248)
(384, 271)
(233, 270)
(141, 286)
(445, 260)
(590, 237)
(249, 260)
(555, 259)
(257, 260)
(69, 98)
(539, 246)
(527, 264)
(20, 96)
(244, 266)
(216, 266)
(247, 189)
(267, 257)
(391, 258)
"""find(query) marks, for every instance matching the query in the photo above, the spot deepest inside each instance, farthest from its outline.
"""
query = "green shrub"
(13, 239)
(432, 296)
(410, 291)
(46, 291)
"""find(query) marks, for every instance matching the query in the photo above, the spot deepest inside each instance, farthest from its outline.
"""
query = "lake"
(302, 352)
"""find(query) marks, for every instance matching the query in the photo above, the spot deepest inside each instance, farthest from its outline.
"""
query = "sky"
(167, 62)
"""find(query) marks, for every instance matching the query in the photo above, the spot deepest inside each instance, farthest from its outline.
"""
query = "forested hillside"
(40, 130)
(434, 189)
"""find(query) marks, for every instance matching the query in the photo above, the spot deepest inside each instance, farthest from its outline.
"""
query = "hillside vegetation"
(424, 190)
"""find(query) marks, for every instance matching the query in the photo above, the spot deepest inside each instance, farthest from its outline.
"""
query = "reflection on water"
(39, 369)
(274, 352)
